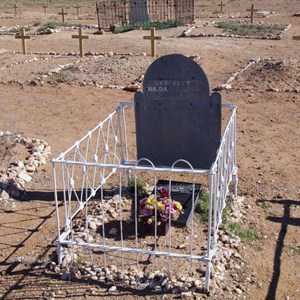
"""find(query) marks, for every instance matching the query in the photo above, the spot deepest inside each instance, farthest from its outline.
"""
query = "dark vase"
(149, 229)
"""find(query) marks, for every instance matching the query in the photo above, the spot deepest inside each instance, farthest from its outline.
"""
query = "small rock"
(186, 295)
(112, 289)
(33, 82)
(25, 177)
(4, 195)
(93, 225)
(238, 291)
(113, 231)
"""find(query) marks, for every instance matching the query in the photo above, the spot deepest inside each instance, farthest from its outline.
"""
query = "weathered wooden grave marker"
(24, 38)
(252, 12)
(221, 6)
(80, 37)
(45, 6)
(152, 37)
(296, 37)
(16, 9)
(63, 13)
(78, 9)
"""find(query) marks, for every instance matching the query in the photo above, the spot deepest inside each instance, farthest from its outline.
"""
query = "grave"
(24, 37)
(221, 5)
(45, 6)
(16, 8)
(80, 37)
(63, 13)
(152, 38)
(78, 9)
(176, 117)
(252, 10)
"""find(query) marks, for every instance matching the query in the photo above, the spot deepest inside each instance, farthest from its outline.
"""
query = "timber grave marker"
(152, 38)
(24, 37)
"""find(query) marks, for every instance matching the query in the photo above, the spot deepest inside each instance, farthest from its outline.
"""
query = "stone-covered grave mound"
(20, 158)
(114, 70)
(271, 75)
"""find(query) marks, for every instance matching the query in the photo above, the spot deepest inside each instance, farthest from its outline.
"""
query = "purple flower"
(147, 212)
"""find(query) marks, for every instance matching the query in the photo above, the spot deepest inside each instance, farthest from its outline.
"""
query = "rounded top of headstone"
(177, 68)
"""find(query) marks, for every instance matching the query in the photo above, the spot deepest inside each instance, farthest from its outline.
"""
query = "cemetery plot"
(113, 70)
(238, 29)
(255, 30)
(33, 67)
(173, 106)
(139, 13)
(271, 74)
(106, 69)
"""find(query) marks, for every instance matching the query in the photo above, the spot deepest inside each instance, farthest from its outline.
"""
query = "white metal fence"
(93, 214)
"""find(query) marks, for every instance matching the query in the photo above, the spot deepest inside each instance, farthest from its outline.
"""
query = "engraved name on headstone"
(176, 117)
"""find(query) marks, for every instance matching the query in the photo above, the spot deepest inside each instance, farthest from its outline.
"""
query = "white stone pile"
(111, 207)
(14, 179)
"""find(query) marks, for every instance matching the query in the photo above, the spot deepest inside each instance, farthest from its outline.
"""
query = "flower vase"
(162, 228)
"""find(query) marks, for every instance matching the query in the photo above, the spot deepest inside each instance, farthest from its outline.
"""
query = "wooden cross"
(63, 13)
(80, 37)
(16, 9)
(252, 12)
(152, 37)
(78, 9)
(296, 37)
(24, 38)
(45, 6)
(221, 6)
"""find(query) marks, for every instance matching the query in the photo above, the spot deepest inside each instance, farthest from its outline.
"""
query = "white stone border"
(7, 30)
(132, 87)
(189, 33)
(227, 85)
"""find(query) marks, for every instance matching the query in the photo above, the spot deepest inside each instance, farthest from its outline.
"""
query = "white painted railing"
(102, 160)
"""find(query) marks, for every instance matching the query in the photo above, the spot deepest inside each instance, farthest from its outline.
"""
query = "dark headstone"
(176, 117)
(138, 12)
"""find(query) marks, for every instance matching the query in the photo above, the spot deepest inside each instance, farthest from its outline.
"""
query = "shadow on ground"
(286, 220)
